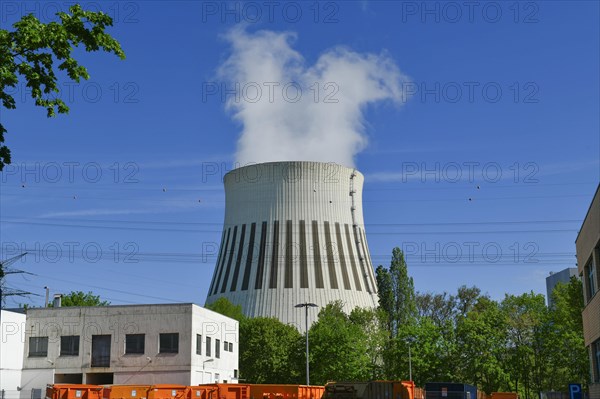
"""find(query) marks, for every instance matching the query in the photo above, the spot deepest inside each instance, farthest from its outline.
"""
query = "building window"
(230, 347)
(235, 373)
(135, 344)
(198, 344)
(596, 360)
(101, 350)
(218, 348)
(591, 278)
(168, 343)
(38, 346)
(208, 347)
(69, 345)
(217, 377)
(226, 346)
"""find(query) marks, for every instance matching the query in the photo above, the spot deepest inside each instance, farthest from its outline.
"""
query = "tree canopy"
(80, 298)
(32, 48)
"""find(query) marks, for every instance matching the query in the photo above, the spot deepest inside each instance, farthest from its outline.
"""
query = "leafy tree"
(528, 335)
(567, 347)
(270, 351)
(32, 48)
(226, 308)
(482, 338)
(338, 347)
(372, 323)
(80, 298)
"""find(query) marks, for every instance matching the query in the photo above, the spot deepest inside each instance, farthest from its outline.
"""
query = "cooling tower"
(293, 233)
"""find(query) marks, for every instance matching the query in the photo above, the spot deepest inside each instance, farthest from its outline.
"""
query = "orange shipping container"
(202, 392)
(504, 395)
(225, 391)
(73, 391)
(126, 392)
(166, 391)
(419, 393)
(285, 391)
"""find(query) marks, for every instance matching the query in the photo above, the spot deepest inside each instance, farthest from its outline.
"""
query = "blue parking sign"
(575, 391)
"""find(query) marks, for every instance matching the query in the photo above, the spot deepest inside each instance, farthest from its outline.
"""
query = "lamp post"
(306, 306)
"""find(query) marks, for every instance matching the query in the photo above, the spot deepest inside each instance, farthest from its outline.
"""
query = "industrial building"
(588, 264)
(11, 351)
(134, 344)
(293, 233)
(563, 276)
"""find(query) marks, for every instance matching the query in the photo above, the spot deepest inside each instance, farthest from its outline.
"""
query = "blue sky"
(483, 175)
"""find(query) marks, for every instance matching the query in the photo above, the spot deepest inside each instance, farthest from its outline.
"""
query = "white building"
(293, 233)
(11, 352)
(138, 344)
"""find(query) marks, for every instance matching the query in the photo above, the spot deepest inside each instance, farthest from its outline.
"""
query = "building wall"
(293, 233)
(116, 322)
(11, 350)
(588, 254)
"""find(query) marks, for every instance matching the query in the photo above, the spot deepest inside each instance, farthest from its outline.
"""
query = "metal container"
(225, 391)
(73, 391)
(449, 390)
(126, 392)
(285, 391)
(167, 391)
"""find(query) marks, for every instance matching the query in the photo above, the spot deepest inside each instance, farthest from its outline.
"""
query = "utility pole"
(4, 271)
(306, 306)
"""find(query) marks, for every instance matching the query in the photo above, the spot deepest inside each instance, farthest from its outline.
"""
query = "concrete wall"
(216, 326)
(312, 247)
(11, 350)
(151, 367)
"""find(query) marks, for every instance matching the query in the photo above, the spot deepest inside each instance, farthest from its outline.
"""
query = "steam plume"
(285, 117)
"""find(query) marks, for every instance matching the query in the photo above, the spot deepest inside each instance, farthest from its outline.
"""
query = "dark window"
(69, 345)
(212, 284)
(238, 260)
(596, 360)
(208, 347)
(100, 351)
(38, 346)
(317, 255)
(330, 258)
(274, 256)
(235, 373)
(591, 278)
(352, 259)
(231, 252)
(289, 247)
(198, 344)
(249, 259)
(303, 260)
(218, 348)
(342, 256)
(218, 281)
(261, 257)
(135, 343)
(230, 347)
(169, 343)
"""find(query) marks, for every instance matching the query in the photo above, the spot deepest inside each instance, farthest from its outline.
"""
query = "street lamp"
(306, 306)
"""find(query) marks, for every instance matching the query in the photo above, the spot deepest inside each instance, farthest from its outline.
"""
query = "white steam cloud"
(293, 112)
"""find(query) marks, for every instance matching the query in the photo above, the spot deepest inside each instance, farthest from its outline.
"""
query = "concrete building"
(293, 233)
(588, 264)
(139, 344)
(563, 276)
(11, 352)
